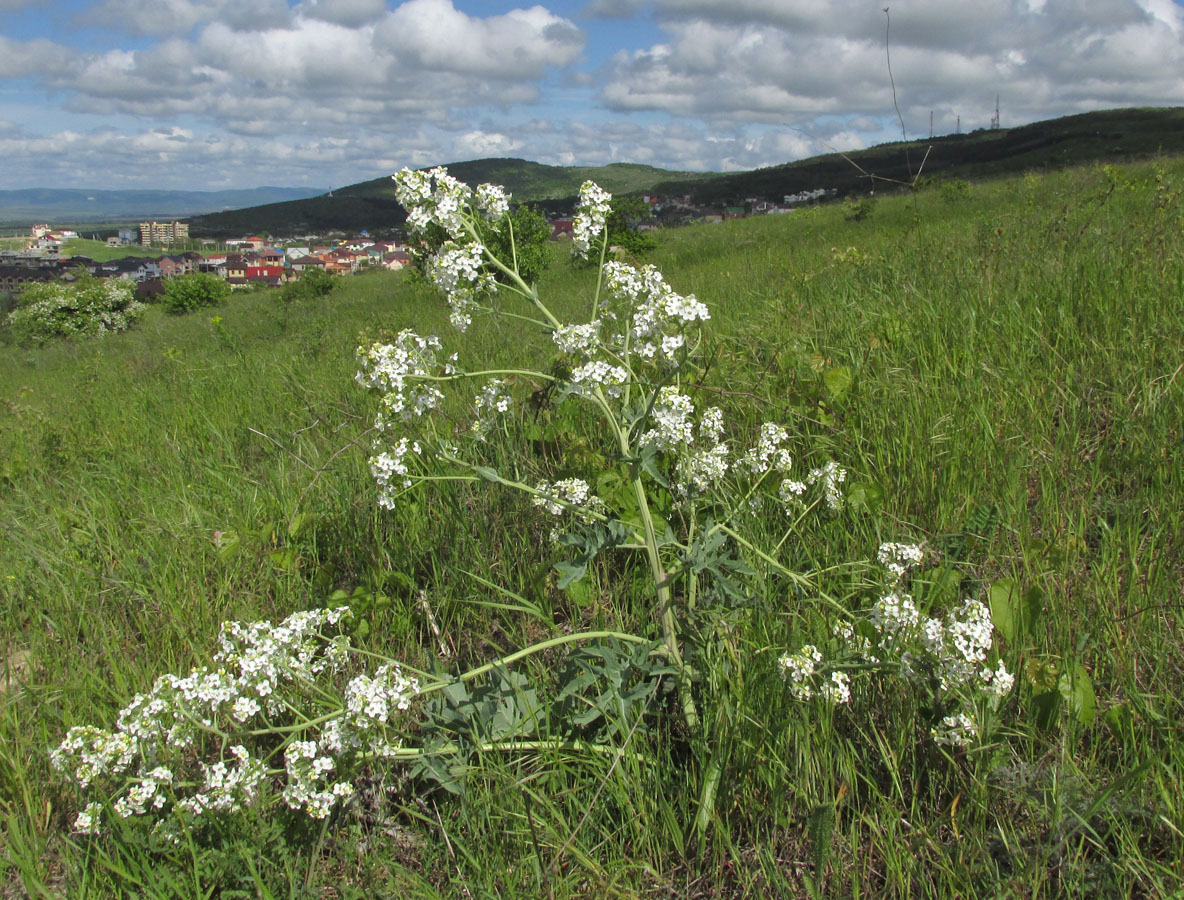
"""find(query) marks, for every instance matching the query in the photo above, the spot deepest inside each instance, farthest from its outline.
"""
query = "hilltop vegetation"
(372, 205)
(998, 369)
(1119, 136)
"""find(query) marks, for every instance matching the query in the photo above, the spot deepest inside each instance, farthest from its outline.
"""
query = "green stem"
(409, 753)
(665, 608)
(537, 648)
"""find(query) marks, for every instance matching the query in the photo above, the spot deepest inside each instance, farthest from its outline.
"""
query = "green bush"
(194, 291)
(312, 284)
(86, 307)
(530, 236)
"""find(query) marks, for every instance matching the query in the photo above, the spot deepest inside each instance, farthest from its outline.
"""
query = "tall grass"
(1011, 391)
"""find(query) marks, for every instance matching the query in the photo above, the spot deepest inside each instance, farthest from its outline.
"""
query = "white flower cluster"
(226, 786)
(385, 465)
(660, 315)
(578, 339)
(950, 654)
(568, 494)
(433, 197)
(456, 271)
(493, 201)
(701, 456)
(899, 558)
(831, 475)
(308, 786)
(673, 424)
(397, 370)
(800, 669)
(957, 730)
(592, 212)
(768, 455)
(266, 675)
(493, 401)
(598, 373)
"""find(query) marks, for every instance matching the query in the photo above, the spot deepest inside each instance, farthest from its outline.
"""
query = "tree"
(196, 290)
(621, 226)
(531, 236)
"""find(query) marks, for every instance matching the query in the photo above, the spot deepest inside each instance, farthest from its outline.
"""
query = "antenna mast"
(995, 119)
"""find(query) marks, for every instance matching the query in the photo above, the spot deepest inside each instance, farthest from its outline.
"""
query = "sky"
(213, 94)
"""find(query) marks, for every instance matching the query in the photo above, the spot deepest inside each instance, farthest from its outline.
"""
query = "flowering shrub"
(668, 480)
(85, 308)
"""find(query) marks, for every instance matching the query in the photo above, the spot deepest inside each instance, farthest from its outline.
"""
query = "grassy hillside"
(1119, 136)
(372, 204)
(999, 371)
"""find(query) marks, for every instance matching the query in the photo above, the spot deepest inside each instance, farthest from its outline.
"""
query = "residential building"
(163, 232)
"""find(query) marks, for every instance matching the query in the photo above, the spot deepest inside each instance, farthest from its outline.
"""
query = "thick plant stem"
(665, 610)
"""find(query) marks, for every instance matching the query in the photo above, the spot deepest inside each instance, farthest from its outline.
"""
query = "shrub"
(194, 291)
(87, 307)
(312, 284)
(859, 210)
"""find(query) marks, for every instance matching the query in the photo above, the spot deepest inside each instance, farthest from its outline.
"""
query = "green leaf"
(569, 573)
(821, 826)
(228, 544)
(1004, 601)
(1032, 606)
(867, 495)
(1078, 690)
(838, 380)
(487, 473)
(580, 593)
(299, 523)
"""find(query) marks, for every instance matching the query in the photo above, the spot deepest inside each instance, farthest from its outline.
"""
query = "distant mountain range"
(72, 206)
(1117, 136)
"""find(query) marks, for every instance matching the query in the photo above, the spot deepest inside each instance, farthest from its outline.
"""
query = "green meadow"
(999, 368)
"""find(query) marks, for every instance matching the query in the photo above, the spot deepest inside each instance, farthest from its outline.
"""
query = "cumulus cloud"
(520, 44)
(178, 17)
(351, 88)
(796, 60)
(343, 12)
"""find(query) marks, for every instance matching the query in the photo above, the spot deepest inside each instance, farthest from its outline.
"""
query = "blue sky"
(204, 94)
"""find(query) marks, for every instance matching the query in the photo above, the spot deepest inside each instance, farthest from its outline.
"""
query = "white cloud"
(283, 89)
(520, 44)
(792, 61)
(32, 59)
(179, 17)
(343, 12)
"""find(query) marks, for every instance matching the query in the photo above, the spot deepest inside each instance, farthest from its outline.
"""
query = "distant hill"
(55, 205)
(1116, 136)
(1109, 136)
(372, 204)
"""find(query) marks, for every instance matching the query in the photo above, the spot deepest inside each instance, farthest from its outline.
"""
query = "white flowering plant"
(949, 660)
(290, 711)
(87, 307)
(289, 714)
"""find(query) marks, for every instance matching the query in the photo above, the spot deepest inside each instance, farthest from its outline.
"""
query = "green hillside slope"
(1112, 136)
(371, 204)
